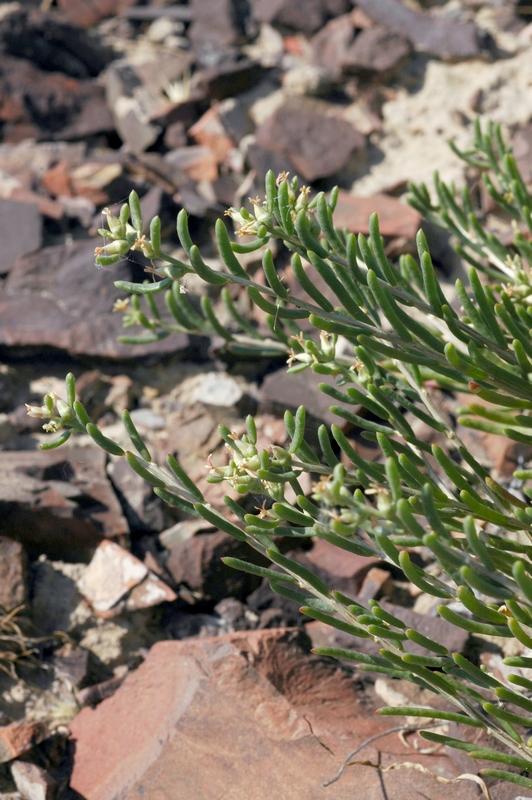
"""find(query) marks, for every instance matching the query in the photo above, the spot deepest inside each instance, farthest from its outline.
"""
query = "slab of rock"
(116, 580)
(331, 43)
(196, 562)
(444, 38)
(142, 508)
(395, 218)
(58, 298)
(341, 565)
(52, 42)
(32, 782)
(317, 145)
(89, 12)
(216, 26)
(377, 51)
(58, 501)
(291, 14)
(210, 132)
(20, 231)
(19, 737)
(212, 716)
(13, 563)
(196, 162)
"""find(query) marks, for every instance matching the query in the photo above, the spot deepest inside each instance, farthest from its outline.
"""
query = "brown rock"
(12, 574)
(243, 701)
(89, 12)
(451, 637)
(32, 782)
(281, 391)
(19, 737)
(142, 508)
(341, 564)
(445, 38)
(316, 144)
(291, 14)
(395, 218)
(377, 51)
(20, 231)
(210, 132)
(216, 26)
(196, 563)
(196, 162)
(58, 501)
(58, 298)
(331, 44)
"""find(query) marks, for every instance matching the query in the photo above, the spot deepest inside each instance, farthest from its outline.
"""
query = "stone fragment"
(331, 43)
(13, 564)
(248, 700)
(341, 565)
(32, 782)
(58, 502)
(196, 562)
(19, 737)
(91, 179)
(210, 132)
(20, 231)
(87, 13)
(377, 51)
(142, 508)
(57, 604)
(451, 637)
(230, 78)
(307, 80)
(58, 298)
(92, 695)
(395, 218)
(281, 391)
(196, 162)
(52, 42)
(317, 145)
(376, 582)
(444, 38)
(306, 18)
(71, 662)
(152, 591)
(216, 26)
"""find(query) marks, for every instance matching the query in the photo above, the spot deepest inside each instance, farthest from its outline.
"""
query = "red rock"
(340, 563)
(306, 17)
(19, 737)
(395, 218)
(209, 714)
(196, 162)
(377, 582)
(331, 43)
(32, 782)
(196, 563)
(317, 145)
(210, 132)
(216, 25)
(12, 574)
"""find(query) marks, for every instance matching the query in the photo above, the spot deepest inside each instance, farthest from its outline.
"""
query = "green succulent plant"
(392, 340)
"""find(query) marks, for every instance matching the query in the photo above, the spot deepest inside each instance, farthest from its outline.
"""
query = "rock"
(281, 391)
(52, 43)
(92, 695)
(331, 43)
(219, 390)
(89, 12)
(197, 563)
(43, 105)
(395, 218)
(32, 782)
(116, 581)
(71, 662)
(377, 51)
(142, 508)
(317, 145)
(20, 231)
(58, 298)
(377, 582)
(341, 565)
(291, 15)
(196, 162)
(444, 38)
(308, 80)
(216, 26)
(451, 637)
(91, 179)
(248, 700)
(57, 604)
(58, 502)
(230, 78)
(19, 737)
(13, 565)
(210, 132)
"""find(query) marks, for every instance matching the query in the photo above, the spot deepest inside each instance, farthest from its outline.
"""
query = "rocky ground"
(132, 662)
